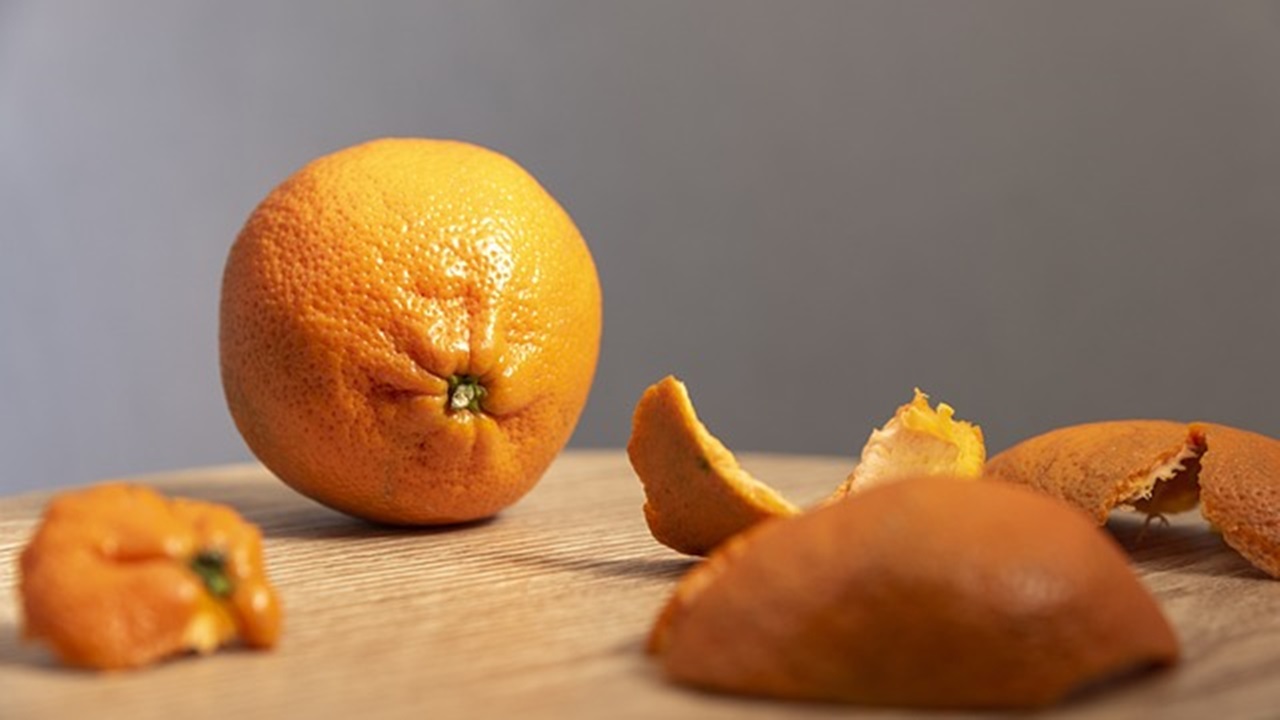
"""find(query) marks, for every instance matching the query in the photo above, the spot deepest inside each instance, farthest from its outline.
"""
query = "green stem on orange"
(465, 393)
(211, 566)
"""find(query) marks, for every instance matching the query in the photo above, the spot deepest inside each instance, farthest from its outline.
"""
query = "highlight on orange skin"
(118, 576)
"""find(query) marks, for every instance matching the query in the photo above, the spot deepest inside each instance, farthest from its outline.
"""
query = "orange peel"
(118, 576)
(918, 440)
(929, 592)
(1161, 467)
(696, 493)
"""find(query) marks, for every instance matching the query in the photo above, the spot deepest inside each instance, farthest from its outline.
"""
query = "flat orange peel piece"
(696, 494)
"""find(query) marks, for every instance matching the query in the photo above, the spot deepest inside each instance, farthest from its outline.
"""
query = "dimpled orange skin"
(370, 278)
(1240, 491)
(106, 579)
(1094, 466)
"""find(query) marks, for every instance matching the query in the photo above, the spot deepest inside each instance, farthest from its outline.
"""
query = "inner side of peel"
(1171, 486)
(215, 621)
(918, 440)
(212, 626)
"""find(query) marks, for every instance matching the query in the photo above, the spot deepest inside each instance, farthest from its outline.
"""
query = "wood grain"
(542, 612)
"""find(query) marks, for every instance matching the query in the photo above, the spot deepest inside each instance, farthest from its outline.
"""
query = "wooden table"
(543, 612)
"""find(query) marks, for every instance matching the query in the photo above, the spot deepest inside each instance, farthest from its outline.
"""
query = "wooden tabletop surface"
(543, 613)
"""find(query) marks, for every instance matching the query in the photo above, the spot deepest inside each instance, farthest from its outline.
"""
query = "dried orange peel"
(697, 495)
(1161, 467)
(118, 576)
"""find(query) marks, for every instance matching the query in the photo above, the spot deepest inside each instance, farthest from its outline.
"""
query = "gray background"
(1042, 213)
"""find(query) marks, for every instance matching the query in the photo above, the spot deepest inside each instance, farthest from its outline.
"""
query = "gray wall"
(1043, 213)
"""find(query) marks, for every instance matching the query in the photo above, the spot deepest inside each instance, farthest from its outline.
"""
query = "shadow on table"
(320, 523)
(1183, 545)
(643, 568)
(283, 513)
(15, 652)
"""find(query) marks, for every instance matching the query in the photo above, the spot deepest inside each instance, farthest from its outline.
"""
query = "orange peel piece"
(118, 576)
(929, 592)
(696, 494)
(1100, 466)
(918, 440)
(1161, 467)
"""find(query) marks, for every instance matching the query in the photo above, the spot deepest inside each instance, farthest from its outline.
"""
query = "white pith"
(1161, 473)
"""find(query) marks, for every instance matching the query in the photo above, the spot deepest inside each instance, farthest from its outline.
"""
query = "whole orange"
(409, 329)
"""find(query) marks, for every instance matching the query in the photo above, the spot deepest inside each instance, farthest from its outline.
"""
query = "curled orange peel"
(697, 495)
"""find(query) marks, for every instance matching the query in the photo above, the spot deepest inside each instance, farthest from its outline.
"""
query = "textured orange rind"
(1161, 467)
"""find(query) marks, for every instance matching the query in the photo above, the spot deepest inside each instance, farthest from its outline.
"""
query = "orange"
(409, 330)
(118, 576)
(926, 592)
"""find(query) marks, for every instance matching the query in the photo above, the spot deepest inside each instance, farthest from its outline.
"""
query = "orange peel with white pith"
(697, 495)
(1161, 467)
(918, 440)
